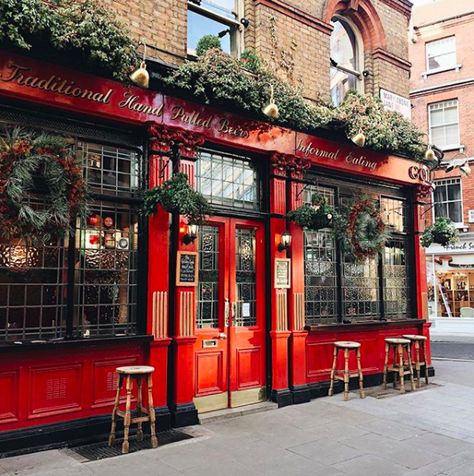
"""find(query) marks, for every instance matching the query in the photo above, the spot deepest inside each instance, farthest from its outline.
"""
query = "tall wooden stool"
(400, 347)
(345, 375)
(418, 341)
(138, 373)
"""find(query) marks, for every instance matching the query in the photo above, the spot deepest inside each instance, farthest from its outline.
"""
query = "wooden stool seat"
(137, 373)
(345, 374)
(135, 369)
(347, 344)
(397, 340)
(417, 341)
(400, 346)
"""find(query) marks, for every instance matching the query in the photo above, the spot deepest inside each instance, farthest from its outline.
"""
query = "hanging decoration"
(316, 216)
(41, 186)
(177, 196)
(441, 232)
(366, 230)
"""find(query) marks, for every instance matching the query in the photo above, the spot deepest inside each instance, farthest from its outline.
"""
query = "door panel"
(230, 315)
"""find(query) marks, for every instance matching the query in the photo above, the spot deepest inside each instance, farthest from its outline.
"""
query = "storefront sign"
(187, 268)
(394, 102)
(282, 273)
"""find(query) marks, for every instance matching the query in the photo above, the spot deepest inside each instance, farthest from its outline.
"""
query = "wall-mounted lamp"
(285, 241)
(271, 109)
(222, 33)
(359, 139)
(191, 234)
(245, 22)
(140, 76)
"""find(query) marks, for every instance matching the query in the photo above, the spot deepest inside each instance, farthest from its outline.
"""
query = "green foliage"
(176, 196)
(442, 232)
(316, 216)
(208, 42)
(219, 78)
(251, 61)
(80, 30)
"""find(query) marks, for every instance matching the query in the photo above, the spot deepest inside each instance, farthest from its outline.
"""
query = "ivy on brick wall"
(219, 79)
(79, 32)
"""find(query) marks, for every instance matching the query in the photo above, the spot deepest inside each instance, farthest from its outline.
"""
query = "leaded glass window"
(227, 181)
(245, 277)
(207, 312)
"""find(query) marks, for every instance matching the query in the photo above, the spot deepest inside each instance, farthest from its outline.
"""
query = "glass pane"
(454, 192)
(341, 83)
(245, 277)
(200, 25)
(320, 277)
(394, 213)
(437, 117)
(441, 210)
(343, 45)
(452, 135)
(207, 309)
(223, 7)
(438, 136)
(396, 285)
(227, 181)
(440, 193)
(455, 212)
(451, 114)
(106, 271)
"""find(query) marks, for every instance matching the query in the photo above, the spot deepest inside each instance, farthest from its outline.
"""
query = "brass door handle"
(222, 335)
(226, 312)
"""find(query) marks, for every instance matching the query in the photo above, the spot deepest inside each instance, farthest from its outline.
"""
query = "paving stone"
(440, 444)
(370, 465)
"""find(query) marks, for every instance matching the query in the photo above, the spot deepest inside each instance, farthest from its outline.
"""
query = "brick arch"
(363, 15)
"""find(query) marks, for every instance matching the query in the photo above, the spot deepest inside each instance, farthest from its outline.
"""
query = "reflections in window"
(227, 181)
(441, 54)
(346, 62)
(448, 200)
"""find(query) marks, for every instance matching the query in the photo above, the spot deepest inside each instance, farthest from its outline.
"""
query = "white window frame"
(453, 146)
(358, 54)
(444, 182)
(236, 29)
(429, 70)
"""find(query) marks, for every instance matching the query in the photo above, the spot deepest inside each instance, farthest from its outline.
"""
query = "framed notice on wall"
(187, 268)
(282, 272)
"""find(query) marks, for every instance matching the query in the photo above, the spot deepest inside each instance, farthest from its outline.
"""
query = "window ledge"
(91, 341)
(448, 148)
(367, 323)
(430, 72)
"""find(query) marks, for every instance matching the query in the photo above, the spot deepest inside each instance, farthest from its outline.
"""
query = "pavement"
(424, 433)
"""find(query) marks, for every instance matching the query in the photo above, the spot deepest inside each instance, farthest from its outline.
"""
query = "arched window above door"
(347, 59)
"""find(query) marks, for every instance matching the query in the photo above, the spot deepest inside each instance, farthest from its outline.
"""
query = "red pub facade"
(229, 319)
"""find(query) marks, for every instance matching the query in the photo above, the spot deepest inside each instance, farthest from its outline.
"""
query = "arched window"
(346, 60)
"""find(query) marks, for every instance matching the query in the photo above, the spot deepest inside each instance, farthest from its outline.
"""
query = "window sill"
(449, 148)
(362, 323)
(91, 341)
(430, 72)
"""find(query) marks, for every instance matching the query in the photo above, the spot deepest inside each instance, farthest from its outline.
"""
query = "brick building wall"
(453, 84)
(292, 35)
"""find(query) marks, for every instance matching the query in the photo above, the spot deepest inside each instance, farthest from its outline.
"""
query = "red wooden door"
(230, 315)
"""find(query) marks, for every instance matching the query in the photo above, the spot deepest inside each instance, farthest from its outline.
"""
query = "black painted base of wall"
(184, 415)
(282, 397)
(71, 433)
(301, 394)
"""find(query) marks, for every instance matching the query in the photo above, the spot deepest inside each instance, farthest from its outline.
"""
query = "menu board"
(187, 268)
(282, 273)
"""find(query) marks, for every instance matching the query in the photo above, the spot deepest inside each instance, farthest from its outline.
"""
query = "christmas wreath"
(41, 186)
(366, 229)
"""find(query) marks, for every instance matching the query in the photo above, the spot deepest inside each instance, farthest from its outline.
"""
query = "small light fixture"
(430, 156)
(359, 139)
(285, 241)
(450, 167)
(222, 33)
(271, 109)
(465, 169)
(191, 234)
(140, 76)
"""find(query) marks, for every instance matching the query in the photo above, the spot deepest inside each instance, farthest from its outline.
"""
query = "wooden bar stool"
(345, 375)
(138, 373)
(417, 341)
(404, 366)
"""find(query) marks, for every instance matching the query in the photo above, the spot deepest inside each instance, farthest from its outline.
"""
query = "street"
(425, 433)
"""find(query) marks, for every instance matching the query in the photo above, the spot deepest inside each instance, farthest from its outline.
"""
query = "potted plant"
(316, 216)
(441, 232)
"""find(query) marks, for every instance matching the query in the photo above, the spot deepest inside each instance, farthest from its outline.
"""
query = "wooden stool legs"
(425, 360)
(151, 413)
(400, 366)
(361, 376)
(143, 414)
(385, 367)
(346, 375)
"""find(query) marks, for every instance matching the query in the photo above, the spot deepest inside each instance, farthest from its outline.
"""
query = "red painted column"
(158, 286)
(296, 312)
(279, 333)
